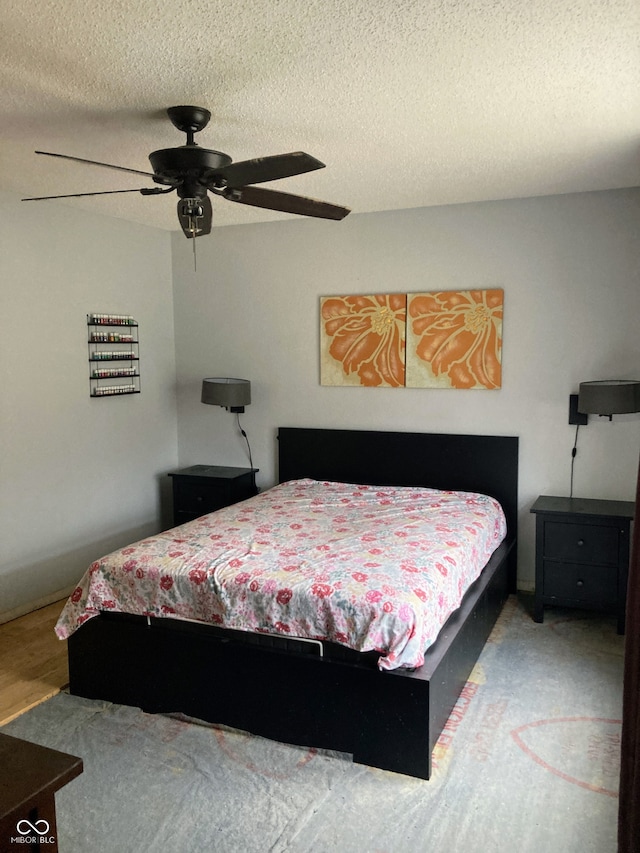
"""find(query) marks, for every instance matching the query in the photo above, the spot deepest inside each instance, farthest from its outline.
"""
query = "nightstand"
(582, 554)
(204, 488)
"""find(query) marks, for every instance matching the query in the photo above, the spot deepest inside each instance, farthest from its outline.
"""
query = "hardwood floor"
(33, 661)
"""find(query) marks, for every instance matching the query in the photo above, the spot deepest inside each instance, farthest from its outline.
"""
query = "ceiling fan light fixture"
(195, 215)
(192, 211)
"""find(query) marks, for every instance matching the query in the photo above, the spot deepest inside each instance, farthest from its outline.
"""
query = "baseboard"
(60, 595)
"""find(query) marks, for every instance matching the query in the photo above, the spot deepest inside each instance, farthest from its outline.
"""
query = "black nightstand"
(204, 488)
(582, 554)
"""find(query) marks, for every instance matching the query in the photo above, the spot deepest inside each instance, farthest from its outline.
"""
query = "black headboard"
(472, 463)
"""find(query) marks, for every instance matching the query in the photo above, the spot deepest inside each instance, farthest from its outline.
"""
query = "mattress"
(370, 568)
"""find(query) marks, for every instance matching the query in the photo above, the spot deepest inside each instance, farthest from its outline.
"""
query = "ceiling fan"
(193, 172)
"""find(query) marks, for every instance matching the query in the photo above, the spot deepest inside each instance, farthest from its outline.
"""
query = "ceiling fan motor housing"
(187, 167)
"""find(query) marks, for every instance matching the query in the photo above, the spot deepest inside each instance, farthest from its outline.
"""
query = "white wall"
(78, 476)
(570, 269)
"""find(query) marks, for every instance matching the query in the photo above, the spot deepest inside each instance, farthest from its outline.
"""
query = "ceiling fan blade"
(144, 191)
(265, 169)
(195, 216)
(297, 204)
(96, 163)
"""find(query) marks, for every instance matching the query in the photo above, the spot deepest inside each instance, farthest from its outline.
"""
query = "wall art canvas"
(362, 340)
(454, 339)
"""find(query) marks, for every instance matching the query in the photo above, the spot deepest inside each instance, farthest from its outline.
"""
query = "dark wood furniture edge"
(216, 472)
(61, 766)
(30, 775)
(558, 505)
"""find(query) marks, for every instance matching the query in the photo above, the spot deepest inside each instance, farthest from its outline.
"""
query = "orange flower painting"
(454, 339)
(363, 340)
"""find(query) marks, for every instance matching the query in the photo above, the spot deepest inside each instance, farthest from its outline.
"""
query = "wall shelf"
(113, 339)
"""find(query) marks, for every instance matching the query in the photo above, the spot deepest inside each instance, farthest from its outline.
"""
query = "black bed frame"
(389, 720)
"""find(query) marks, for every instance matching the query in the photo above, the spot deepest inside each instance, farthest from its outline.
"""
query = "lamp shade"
(609, 397)
(233, 394)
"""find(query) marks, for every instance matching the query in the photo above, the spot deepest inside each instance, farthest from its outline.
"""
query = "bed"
(320, 694)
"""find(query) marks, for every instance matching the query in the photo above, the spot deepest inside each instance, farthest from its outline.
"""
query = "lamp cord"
(246, 438)
(573, 458)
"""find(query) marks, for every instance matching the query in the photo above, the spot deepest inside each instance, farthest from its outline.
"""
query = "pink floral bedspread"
(371, 568)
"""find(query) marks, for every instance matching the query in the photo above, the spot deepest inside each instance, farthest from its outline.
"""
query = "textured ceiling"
(409, 102)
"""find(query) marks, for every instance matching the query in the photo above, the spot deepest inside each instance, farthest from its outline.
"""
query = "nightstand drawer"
(597, 585)
(201, 489)
(581, 543)
(201, 497)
